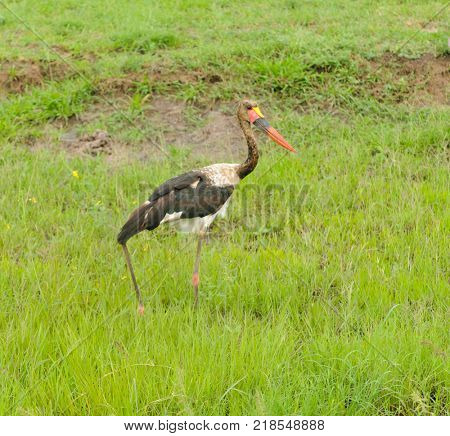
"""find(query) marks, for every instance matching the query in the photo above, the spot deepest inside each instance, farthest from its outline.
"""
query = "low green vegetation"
(324, 291)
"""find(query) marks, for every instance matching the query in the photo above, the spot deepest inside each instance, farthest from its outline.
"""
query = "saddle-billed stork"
(194, 199)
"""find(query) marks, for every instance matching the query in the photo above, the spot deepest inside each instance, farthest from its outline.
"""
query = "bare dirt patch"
(162, 75)
(388, 78)
(199, 133)
(119, 85)
(213, 132)
(420, 81)
(217, 134)
(98, 143)
(156, 78)
(18, 75)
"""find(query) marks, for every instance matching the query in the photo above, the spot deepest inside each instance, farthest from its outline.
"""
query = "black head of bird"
(248, 111)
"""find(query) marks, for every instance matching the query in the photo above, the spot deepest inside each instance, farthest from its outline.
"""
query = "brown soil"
(119, 85)
(217, 136)
(154, 76)
(420, 81)
(98, 143)
(213, 133)
(16, 76)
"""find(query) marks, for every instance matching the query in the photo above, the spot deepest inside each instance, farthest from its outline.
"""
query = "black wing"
(197, 202)
(176, 183)
(189, 193)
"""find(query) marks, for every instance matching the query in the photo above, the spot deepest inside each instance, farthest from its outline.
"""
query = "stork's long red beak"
(257, 118)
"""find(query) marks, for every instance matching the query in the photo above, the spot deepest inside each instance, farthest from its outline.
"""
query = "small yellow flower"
(75, 174)
(8, 227)
(33, 200)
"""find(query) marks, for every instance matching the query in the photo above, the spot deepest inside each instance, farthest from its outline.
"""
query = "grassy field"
(329, 296)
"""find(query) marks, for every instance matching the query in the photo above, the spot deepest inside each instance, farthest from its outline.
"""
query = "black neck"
(252, 159)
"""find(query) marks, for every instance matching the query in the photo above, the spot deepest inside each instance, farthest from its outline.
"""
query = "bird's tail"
(137, 222)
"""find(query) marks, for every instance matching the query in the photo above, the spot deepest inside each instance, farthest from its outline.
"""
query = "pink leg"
(195, 275)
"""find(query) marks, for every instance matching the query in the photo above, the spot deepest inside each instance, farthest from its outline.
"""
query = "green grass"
(330, 297)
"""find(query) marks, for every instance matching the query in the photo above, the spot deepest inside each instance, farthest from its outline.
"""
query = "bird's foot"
(141, 309)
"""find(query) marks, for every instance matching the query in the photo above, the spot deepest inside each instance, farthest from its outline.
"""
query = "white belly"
(194, 225)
